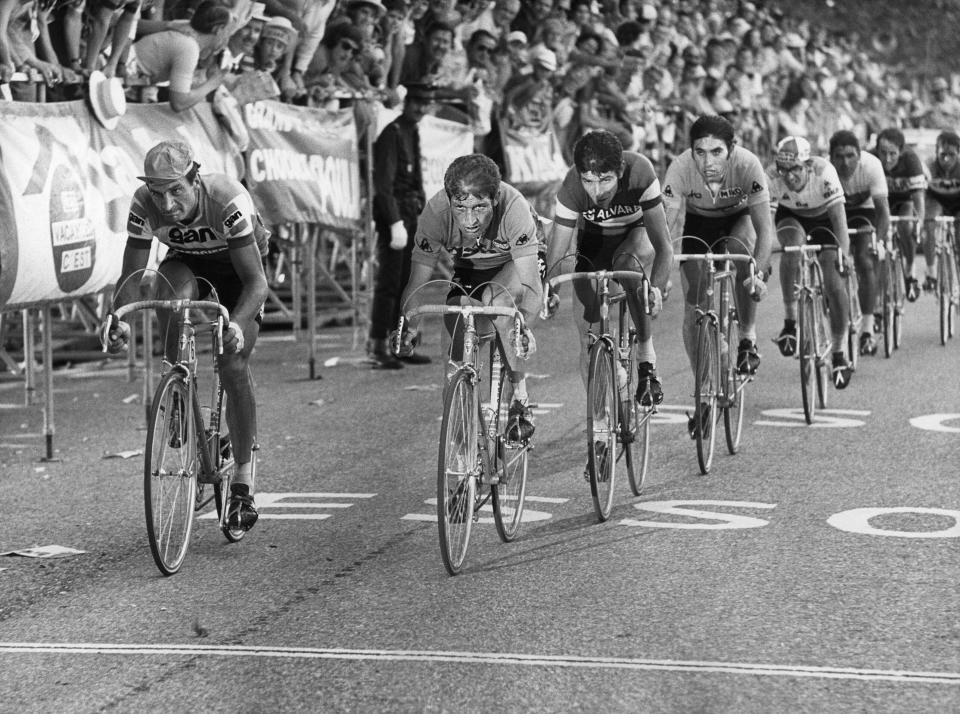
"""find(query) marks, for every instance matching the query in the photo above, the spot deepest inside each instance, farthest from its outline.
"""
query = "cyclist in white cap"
(216, 241)
(808, 198)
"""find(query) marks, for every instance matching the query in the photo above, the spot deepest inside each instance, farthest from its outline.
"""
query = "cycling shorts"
(213, 275)
(818, 229)
(595, 252)
(950, 206)
(712, 232)
(896, 206)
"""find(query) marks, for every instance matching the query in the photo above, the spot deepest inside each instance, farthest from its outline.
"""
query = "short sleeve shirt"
(638, 191)
(821, 191)
(865, 183)
(944, 183)
(905, 177)
(512, 233)
(226, 219)
(744, 184)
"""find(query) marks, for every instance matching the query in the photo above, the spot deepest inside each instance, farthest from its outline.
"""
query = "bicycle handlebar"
(596, 275)
(734, 257)
(178, 305)
(488, 310)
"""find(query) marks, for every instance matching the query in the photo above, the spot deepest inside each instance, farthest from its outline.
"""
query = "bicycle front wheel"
(634, 431)
(856, 319)
(705, 391)
(602, 400)
(807, 350)
(889, 279)
(170, 473)
(899, 297)
(511, 490)
(457, 471)
(943, 293)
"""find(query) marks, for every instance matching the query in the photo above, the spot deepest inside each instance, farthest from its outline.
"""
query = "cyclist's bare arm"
(249, 268)
(838, 219)
(882, 206)
(420, 273)
(529, 274)
(134, 258)
(655, 221)
(558, 245)
(762, 221)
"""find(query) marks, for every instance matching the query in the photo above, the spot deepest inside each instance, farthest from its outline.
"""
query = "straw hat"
(107, 99)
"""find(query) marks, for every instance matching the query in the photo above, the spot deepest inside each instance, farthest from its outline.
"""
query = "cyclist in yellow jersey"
(866, 197)
(718, 190)
(807, 196)
(216, 241)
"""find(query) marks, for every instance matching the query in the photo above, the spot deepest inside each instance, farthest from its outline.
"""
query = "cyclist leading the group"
(718, 190)
(808, 199)
(865, 196)
(943, 191)
(216, 241)
(493, 235)
(906, 184)
(617, 195)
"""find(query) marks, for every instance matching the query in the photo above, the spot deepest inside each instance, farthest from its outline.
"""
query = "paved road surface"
(816, 571)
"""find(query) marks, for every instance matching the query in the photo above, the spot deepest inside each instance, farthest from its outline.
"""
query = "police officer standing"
(397, 201)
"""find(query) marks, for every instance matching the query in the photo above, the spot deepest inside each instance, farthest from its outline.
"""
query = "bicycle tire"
(889, 303)
(856, 319)
(707, 381)
(823, 368)
(807, 351)
(170, 473)
(734, 382)
(510, 492)
(457, 470)
(943, 298)
(899, 299)
(951, 295)
(602, 398)
(634, 432)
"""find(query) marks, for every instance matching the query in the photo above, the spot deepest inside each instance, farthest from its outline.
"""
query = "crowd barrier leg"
(48, 420)
(312, 247)
(296, 282)
(29, 365)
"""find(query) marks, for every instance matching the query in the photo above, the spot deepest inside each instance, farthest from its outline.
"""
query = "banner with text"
(303, 165)
(65, 189)
(441, 141)
(534, 165)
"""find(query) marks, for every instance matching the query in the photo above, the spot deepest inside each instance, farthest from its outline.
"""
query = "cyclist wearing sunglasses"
(806, 193)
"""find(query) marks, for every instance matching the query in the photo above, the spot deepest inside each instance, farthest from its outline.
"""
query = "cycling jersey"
(513, 232)
(905, 177)
(866, 182)
(226, 218)
(944, 185)
(821, 191)
(638, 190)
(744, 184)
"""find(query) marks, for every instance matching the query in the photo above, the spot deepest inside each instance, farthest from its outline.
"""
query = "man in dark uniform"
(397, 201)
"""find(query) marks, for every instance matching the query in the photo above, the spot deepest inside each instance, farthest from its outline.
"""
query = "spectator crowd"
(642, 69)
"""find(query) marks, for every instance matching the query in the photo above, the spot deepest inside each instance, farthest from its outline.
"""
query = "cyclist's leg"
(790, 233)
(592, 254)
(908, 247)
(933, 209)
(629, 255)
(175, 280)
(743, 240)
(865, 263)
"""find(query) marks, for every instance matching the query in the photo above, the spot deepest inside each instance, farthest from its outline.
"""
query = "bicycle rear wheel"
(807, 351)
(457, 471)
(705, 391)
(734, 386)
(602, 400)
(170, 473)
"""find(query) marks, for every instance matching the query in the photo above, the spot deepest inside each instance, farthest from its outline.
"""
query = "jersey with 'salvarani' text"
(638, 190)
(744, 184)
(226, 219)
(821, 191)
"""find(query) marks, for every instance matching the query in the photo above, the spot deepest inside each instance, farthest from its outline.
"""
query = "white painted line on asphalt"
(496, 658)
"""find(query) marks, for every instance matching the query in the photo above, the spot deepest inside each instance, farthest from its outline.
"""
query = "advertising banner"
(441, 141)
(303, 164)
(534, 165)
(65, 188)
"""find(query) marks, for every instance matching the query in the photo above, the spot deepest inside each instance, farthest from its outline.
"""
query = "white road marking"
(495, 658)
(935, 422)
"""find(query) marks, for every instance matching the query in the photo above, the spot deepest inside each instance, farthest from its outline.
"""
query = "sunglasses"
(345, 45)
